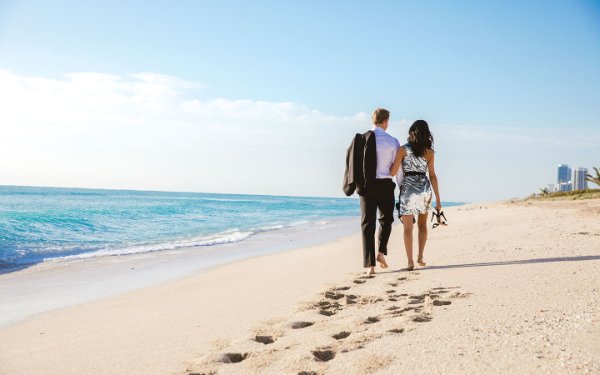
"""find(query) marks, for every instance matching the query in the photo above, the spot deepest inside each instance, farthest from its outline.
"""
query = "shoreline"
(45, 224)
(498, 295)
(56, 284)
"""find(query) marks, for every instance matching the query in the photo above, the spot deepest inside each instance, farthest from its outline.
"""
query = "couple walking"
(372, 160)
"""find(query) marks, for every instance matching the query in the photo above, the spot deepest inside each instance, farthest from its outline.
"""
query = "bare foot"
(371, 271)
(421, 262)
(381, 260)
(411, 266)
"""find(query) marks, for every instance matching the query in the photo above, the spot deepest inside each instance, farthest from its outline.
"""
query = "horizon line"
(195, 192)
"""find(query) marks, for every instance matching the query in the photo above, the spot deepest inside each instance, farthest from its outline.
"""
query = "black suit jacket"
(361, 164)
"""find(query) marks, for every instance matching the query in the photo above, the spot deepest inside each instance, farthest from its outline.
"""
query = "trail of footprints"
(407, 310)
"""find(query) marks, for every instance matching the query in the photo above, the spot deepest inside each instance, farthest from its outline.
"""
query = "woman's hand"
(438, 205)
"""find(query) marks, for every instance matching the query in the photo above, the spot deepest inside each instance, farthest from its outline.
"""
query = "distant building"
(552, 188)
(564, 174)
(579, 181)
(565, 186)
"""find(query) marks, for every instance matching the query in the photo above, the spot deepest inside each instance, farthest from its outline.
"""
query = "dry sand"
(509, 287)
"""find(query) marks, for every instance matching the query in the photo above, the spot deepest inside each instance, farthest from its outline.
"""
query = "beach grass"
(568, 195)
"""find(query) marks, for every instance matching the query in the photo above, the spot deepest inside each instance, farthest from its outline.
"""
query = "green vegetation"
(594, 179)
(568, 195)
(544, 194)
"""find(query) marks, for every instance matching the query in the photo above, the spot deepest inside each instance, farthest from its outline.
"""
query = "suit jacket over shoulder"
(361, 164)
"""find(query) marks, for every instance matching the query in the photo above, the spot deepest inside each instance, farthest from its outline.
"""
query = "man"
(380, 195)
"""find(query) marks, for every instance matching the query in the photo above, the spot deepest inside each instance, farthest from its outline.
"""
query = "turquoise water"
(39, 224)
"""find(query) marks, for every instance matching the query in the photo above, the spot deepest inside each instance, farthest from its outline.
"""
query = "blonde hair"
(380, 115)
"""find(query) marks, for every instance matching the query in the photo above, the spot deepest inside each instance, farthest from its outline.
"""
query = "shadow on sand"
(507, 263)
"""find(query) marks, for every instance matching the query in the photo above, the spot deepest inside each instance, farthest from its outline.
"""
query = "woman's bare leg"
(422, 224)
(407, 222)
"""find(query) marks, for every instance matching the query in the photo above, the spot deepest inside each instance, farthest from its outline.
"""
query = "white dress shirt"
(387, 147)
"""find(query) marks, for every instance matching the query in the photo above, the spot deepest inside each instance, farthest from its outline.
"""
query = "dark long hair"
(420, 138)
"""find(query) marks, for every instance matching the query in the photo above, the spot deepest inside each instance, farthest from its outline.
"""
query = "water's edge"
(42, 224)
(62, 283)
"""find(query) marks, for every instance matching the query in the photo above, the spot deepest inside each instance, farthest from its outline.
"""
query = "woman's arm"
(434, 180)
(398, 161)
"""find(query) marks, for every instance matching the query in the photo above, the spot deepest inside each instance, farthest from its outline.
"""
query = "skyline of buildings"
(564, 173)
(568, 179)
(579, 179)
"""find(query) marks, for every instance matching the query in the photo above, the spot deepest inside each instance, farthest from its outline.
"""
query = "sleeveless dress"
(415, 190)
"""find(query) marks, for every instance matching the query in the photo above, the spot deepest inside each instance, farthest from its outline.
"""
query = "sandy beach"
(509, 287)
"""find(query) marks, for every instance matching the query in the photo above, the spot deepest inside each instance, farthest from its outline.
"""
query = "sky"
(264, 97)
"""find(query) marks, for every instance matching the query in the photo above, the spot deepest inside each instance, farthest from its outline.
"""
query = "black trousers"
(381, 197)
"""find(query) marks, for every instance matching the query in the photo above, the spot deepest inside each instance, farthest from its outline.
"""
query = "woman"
(416, 158)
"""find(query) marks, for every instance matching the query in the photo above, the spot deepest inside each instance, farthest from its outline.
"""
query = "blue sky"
(505, 85)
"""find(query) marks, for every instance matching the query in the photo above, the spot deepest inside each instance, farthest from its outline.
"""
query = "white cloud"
(147, 131)
(142, 131)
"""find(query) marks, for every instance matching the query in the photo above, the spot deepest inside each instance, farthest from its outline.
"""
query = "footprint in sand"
(422, 318)
(323, 355)
(264, 339)
(398, 311)
(233, 357)
(326, 312)
(342, 288)
(369, 300)
(372, 319)
(327, 305)
(341, 335)
(327, 308)
(332, 294)
(417, 299)
(351, 299)
(459, 295)
(301, 324)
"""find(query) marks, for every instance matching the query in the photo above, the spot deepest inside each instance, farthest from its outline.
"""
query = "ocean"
(38, 224)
